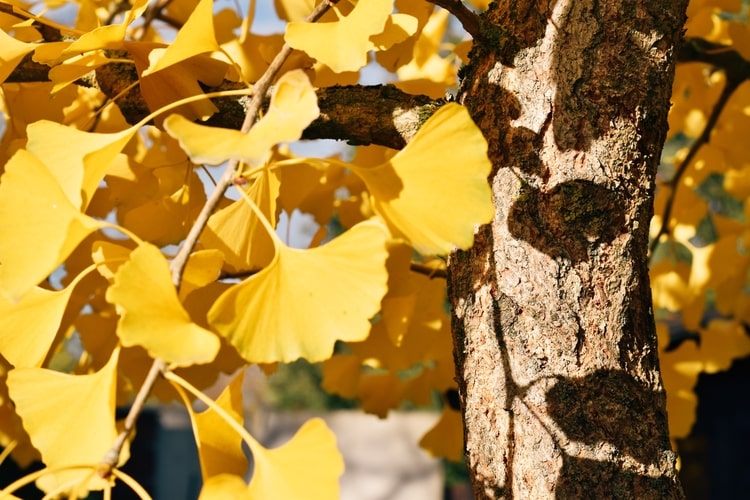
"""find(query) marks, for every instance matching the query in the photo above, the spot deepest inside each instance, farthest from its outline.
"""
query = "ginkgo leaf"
(342, 45)
(65, 74)
(106, 37)
(305, 300)
(30, 326)
(237, 232)
(12, 52)
(70, 418)
(180, 80)
(293, 107)
(195, 37)
(446, 438)
(151, 315)
(308, 466)
(219, 445)
(435, 190)
(34, 209)
(77, 159)
(223, 486)
(203, 267)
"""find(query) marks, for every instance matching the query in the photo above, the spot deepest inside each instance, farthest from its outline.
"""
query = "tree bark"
(555, 343)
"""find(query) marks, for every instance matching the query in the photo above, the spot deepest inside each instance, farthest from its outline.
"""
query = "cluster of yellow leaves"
(91, 209)
(700, 268)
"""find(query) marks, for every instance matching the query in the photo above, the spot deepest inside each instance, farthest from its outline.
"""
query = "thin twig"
(468, 19)
(177, 266)
(429, 271)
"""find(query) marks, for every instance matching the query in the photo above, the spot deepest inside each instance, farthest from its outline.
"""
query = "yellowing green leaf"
(308, 466)
(435, 191)
(305, 300)
(219, 445)
(224, 486)
(342, 45)
(70, 418)
(29, 327)
(151, 315)
(293, 107)
(11, 53)
(39, 226)
(77, 159)
(195, 37)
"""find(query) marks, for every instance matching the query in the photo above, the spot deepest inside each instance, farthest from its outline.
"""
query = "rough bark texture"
(555, 343)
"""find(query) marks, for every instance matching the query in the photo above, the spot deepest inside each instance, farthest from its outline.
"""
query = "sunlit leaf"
(219, 445)
(151, 316)
(195, 37)
(305, 300)
(180, 80)
(65, 74)
(445, 165)
(70, 418)
(12, 52)
(29, 326)
(203, 268)
(77, 159)
(342, 45)
(293, 107)
(224, 486)
(106, 37)
(34, 209)
(308, 466)
(238, 233)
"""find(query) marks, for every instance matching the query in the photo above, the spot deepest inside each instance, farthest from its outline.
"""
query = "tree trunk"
(555, 344)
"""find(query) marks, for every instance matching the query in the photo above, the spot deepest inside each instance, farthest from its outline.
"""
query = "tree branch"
(358, 114)
(468, 19)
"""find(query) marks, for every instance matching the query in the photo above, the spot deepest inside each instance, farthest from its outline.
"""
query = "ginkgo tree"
(146, 167)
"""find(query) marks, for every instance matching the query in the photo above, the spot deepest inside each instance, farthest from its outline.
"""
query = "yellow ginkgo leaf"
(106, 37)
(223, 486)
(219, 445)
(30, 326)
(308, 466)
(11, 53)
(70, 418)
(238, 233)
(305, 300)
(64, 74)
(78, 160)
(151, 315)
(293, 107)
(195, 37)
(446, 438)
(380, 392)
(203, 267)
(342, 45)
(435, 191)
(34, 209)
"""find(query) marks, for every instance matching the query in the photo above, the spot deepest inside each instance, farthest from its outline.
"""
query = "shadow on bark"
(608, 407)
(569, 220)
